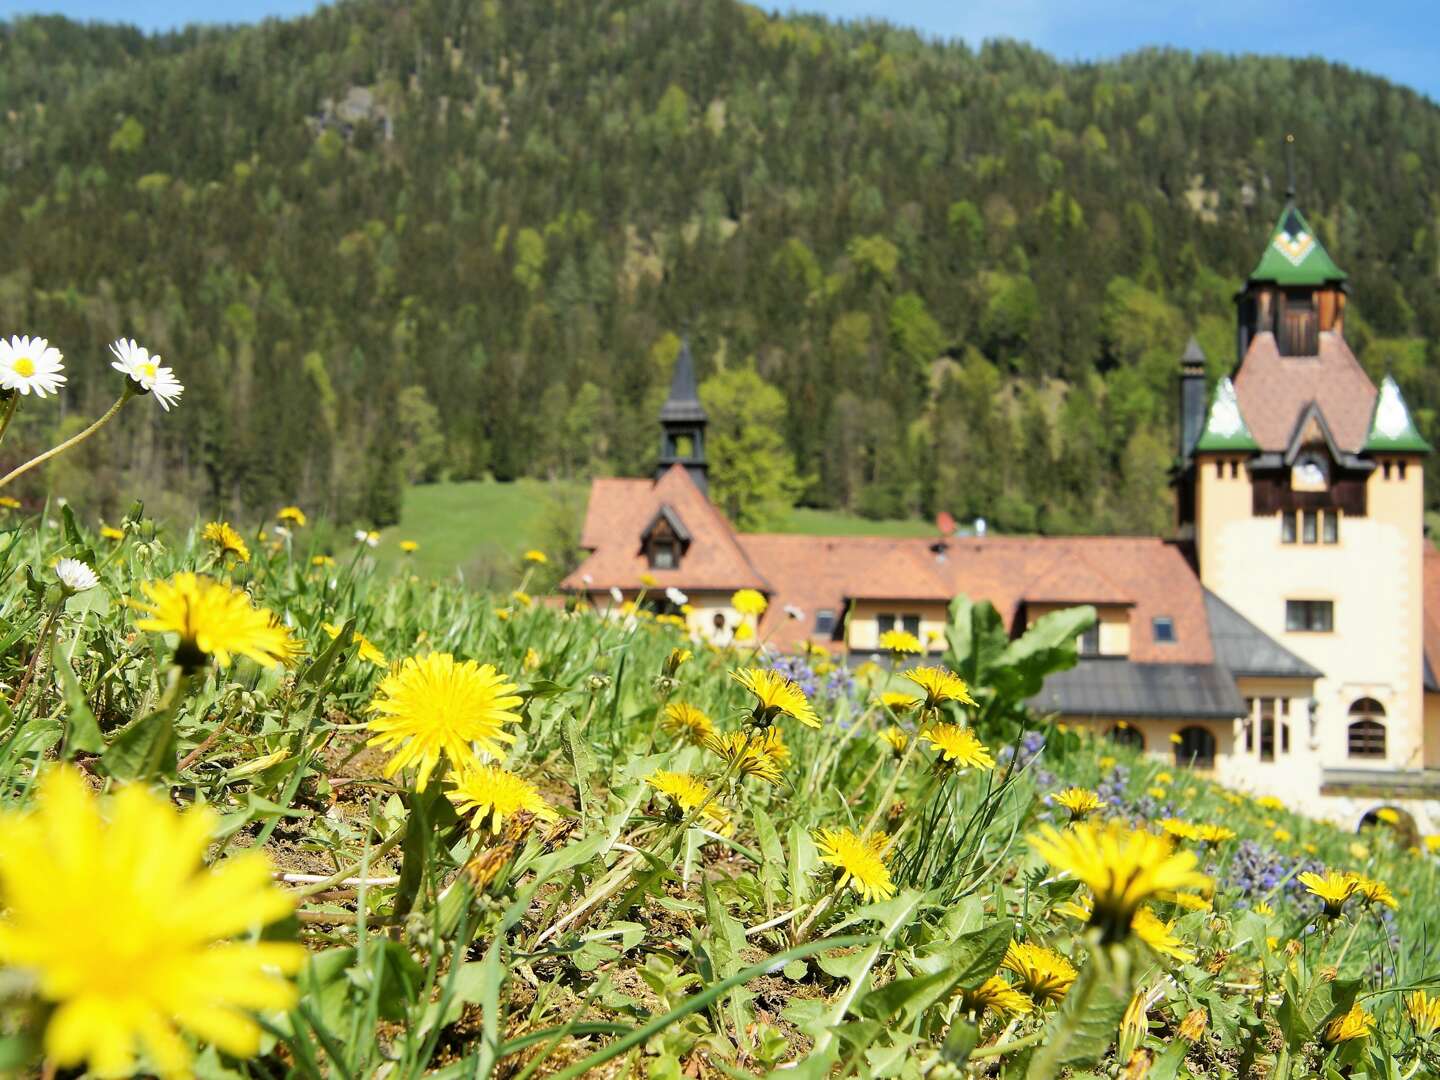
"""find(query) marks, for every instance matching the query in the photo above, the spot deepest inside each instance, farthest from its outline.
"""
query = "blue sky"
(1399, 39)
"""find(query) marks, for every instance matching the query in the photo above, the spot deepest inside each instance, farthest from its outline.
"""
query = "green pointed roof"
(1225, 428)
(1391, 427)
(1294, 254)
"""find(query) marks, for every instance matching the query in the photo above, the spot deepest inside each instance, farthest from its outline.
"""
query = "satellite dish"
(945, 523)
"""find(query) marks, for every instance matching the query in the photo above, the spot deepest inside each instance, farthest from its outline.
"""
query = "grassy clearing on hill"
(480, 527)
(780, 876)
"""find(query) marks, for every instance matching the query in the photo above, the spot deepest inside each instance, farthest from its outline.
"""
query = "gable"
(1274, 390)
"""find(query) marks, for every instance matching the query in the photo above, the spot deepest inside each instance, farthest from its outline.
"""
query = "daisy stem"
(9, 413)
(74, 440)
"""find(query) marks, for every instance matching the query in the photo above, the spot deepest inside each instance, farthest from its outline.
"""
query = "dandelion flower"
(677, 657)
(75, 576)
(211, 619)
(522, 598)
(1263, 909)
(368, 651)
(1355, 1024)
(409, 547)
(1164, 778)
(860, 860)
(1213, 834)
(997, 995)
(761, 754)
(1160, 936)
(8, 502)
(1157, 793)
(491, 793)
(1123, 867)
(1080, 802)
(130, 936)
(958, 746)
(1332, 888)
(897, 702)
(744, 632)
(685, 721)
(939, 685)
(1191, 901)
(435, 705)
(226, 540)
(1371, 891)
(537, 556)
(144, 371)
(1082, 908)
(749, 602)
(901, 643)
(1424, 1012)
(1043, 973)
(1388, 815)
(292, 515)
(30, 364)
(323, 561)
(895, 738)
(1282, 836)
(1180, 830)
(688, 793)
(775, 696)
(1269, 802)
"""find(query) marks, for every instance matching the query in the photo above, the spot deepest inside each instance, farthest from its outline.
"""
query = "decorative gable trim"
(1309, 429)
(667, 517)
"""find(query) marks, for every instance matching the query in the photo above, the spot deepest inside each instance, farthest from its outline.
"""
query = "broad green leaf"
(83, 733)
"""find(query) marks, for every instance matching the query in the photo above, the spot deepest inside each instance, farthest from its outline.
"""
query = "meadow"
(273, 811)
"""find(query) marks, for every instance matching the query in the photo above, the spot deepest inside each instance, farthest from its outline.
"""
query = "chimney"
(1192, 397)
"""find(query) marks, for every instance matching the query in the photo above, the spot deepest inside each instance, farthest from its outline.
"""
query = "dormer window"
(1162, 629)
(663, 555)
(664, 540)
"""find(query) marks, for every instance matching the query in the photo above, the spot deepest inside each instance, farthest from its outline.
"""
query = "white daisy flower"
(675, 596)
(28, 364)
(146, 371)
(616, 595)
(75, 576)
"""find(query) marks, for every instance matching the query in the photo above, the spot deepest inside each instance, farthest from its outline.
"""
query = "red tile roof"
(1068, 580)
(1274, 389)
(618, 513)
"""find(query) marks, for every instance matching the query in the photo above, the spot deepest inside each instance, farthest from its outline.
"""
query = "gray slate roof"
(683, 404)
(1246, 649)
(1106, 686)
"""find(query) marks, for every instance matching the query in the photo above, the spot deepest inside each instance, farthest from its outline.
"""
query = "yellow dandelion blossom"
(1181, 830)
(1175, 738)
(1213, 834)
(1158, 793)
(744, 632)
(901, 643)
(761, 754)
(996, 995)
(1355, 1024)
(861, 862)
(1263, 909)
(1282, 836)
(648, 580)
(939, 685)
(1332, 888)
(749, 602)
(435, 705)
(895, 738)
(1080, 802)
(1044, 974)
(688, 793)
(1424, 1012)
(491, 793)
(776, 695)
(130, 936)
(109, 532)
(535, 555)
(688, 722)
(9, 502)
(409, 547)
(958, 747)
(1371, 891)
(292, 515)
(1191, 901)
(532, 659)
(1388, 815)
(1269, 802)
(677, 657)
(1081, 907)
(1432, 843)
(226, 540)
(897, 702)
(1123, 867)
(322, 560)
(1160, 936)
(211, 619)
(522, 598)
(368, 651)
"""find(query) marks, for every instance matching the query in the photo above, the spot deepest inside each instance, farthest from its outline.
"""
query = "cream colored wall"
(701, 619)
(1157, 732)
(1373, 578)
(1114, 624)
(864, 631)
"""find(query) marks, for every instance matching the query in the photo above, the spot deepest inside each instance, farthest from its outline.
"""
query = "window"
(1299, 327)
(719, 620)
(824, 621)
(1287, 527)
(1309, 532)
(1330, 533)
(1090, 641)
(1386, 468)
(884, 623)
(1309, 616)
(1402, 470)
(1127, 734)
(1268, 709)
(911, 623)
(1196, 747)
(662, 555)
(1162, 629)
(1365, 737)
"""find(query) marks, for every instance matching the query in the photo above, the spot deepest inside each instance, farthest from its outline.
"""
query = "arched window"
(1196, 747)
(1365, 737)
(1127, 734)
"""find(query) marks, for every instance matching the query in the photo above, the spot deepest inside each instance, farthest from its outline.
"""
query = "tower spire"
(682, 423)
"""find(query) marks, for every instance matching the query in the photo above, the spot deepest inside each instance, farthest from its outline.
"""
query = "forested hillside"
(395, 242)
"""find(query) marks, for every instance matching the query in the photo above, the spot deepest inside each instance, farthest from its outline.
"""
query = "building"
(1286, 637)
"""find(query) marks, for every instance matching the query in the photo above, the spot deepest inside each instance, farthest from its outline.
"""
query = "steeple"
(1192, 397)
(682, 423)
